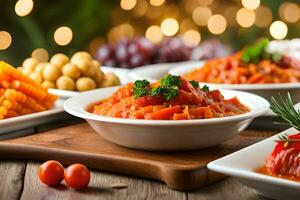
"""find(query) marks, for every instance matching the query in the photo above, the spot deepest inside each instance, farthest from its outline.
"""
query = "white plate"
(263, 90)
(166, 135)
(31, 120)
(242, 165)
(155, 72)
(121, 73)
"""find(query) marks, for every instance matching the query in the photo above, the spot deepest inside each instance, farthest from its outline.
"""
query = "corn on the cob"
(19, 95)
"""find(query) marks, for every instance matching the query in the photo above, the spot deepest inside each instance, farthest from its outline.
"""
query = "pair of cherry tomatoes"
(76, 176)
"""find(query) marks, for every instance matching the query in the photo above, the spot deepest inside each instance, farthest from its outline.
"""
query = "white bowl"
(263, 90)
(166, 135)
(155, 72)
(121, 73)
(243, 163)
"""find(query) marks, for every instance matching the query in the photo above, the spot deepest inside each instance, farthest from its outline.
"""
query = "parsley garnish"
(171, 80)
(168, 92)
(256, 52)
(195, 84)
(205, 88)
(141, 88)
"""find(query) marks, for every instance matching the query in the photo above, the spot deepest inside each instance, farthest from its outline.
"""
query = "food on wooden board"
(52, 173)
(252, 65)
(171, 98)
(284, 160)
(78, 73)
(19, 95)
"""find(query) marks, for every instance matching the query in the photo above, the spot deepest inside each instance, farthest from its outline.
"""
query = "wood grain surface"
(79, 143)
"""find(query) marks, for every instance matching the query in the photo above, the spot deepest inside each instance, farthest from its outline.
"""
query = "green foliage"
(141, 88)
(195, 84)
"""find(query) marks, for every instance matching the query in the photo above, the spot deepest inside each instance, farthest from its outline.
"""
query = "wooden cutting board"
(80, 144)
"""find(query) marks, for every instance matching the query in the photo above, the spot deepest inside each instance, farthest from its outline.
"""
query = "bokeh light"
(154, 34)
(192, 37)
(230, 15)
(141, 8)
(217, 24)
(201, 15)
(245, 17)
(5, 40)
(278, 30)
(40, 54)
(157, 2)
(169, 26)
(24, 7)
(263, 16)
(121, 31)
(251, 4)
(63, 35)
(289, 12)
(128, 4)
(205, 2)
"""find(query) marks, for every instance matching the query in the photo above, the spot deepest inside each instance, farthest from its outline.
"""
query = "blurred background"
(43, 28)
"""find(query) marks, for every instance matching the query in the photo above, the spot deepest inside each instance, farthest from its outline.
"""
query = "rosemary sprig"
(284, 108)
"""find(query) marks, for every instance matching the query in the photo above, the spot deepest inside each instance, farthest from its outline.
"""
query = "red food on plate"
(171, 98)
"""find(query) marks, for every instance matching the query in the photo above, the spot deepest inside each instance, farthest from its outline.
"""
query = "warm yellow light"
(229, 14)
(121, 31)
(263, 16)
(251, 4)
(186, 25)
(154, 34)
(245, 17)
(127, 4)
(141, 8)
(205, 2)
(40, 54)
(23, 7)
(192, 37)
(201, 15)
(278, 30)
(5, 40)
(169, 26)
(63, 35)
(290, 12)
(216, 24)
(157, 2)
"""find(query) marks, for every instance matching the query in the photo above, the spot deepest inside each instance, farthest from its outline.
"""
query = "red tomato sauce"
(284, 161)
(190, 103)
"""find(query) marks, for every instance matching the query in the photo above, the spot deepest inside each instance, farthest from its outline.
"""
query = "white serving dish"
(166, 135)
(264, 90)
(31, 120)
(155, 72)
(121, 73)
(243, 163)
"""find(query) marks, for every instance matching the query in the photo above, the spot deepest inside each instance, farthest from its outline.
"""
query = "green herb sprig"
(285, 109)
(141, 88)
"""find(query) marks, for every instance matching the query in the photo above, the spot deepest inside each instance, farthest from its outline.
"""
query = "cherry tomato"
(51, 172)
(77, 176)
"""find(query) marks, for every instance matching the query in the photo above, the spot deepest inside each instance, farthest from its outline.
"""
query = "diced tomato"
(148, 100)
(181, 116)
(164, 114)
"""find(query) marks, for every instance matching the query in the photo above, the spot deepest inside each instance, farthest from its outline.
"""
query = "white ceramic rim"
(260, 108)
(269, 86)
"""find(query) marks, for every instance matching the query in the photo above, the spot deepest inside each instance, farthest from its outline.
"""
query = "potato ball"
(81, 55)
(37, 77)
(96, 63)
(99, 75)
(20, 68)
(39, 68)
(113, 78)
(85, 83)
(71, 70)
(59, 60)
(30, 63)
(51, 72)
(48, 84)
(86, 67)
(26, 71)
(65, 83)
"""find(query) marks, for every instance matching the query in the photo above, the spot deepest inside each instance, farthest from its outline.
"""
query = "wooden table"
(18, 180)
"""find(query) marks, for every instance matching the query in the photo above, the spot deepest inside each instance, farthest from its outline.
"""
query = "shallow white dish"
(166, 135)
(121, 73)
(31, 120)
(155, 72)
(264, 90)
(243, 163)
